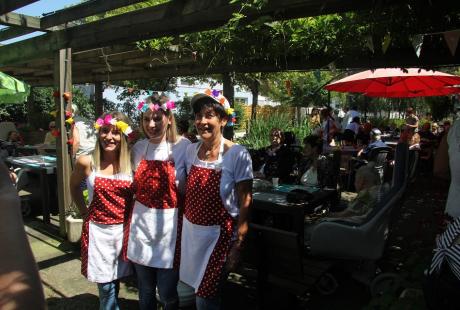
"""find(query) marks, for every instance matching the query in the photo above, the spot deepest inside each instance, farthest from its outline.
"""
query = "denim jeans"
(148, 279)
(108, 295)
(212, 303)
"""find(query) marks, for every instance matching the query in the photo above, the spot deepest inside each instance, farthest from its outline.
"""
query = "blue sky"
(37, 9)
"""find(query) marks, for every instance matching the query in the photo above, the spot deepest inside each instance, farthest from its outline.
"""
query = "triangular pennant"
(417, 42)
(332, 66)
(386, 43)
(452, 38)
(317, 74)
(370, 43)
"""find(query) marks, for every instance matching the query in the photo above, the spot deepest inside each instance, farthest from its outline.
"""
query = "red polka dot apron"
(102, 234)
(151, 235)
(206, 232)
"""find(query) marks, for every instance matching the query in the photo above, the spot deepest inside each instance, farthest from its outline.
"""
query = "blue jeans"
(148, 279)
(212, 303)
(108, 295)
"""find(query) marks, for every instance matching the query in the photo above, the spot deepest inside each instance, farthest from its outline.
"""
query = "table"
(35, 149)
(44, 166)
(287, 215)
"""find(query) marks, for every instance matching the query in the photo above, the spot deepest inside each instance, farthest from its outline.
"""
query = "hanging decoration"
(386, 43)
(370, 43)
(417, 42)
(452, 38)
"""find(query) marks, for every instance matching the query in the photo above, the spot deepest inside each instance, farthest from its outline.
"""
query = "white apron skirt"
(152, 236)
(104, 262)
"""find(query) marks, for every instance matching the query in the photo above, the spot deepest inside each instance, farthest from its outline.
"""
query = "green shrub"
(258, 136)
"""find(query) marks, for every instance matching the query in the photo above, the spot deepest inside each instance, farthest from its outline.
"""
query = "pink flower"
(100, 121)
(170, 105)
(140, 105)
(108, 119)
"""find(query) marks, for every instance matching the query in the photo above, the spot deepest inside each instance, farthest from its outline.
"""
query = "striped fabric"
(447, 250)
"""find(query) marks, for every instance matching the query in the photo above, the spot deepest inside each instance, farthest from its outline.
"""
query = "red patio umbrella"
(396, 82)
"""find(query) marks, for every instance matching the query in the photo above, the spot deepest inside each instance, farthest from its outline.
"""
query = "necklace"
(209, 151)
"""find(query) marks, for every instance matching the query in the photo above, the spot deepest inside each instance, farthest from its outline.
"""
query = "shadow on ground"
(83, 302)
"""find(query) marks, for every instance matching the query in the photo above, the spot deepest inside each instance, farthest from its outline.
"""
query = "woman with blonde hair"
(159, 185)
(108, 177)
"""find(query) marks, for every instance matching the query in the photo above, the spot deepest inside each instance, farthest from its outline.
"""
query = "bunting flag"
(317, 74)
(452, 38)
(386, 42)
(370, 43)
(332, 66)
(417, 42)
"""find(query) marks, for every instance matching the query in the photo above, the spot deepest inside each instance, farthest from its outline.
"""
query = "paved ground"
(408, 253)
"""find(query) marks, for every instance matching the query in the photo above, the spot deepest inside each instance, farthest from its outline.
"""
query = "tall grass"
(259, 132)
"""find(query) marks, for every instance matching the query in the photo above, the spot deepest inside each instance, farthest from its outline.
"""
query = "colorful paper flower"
(170, 105)
(69, 121)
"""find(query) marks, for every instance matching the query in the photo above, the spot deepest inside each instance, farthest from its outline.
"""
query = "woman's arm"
(244, 192)
(20, 286)
(81, 172)
(75, 140)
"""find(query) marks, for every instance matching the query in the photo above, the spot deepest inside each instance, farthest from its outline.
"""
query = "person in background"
(108, 177)
(183, 130)
(350, 115)
(375, 141)
(312, 150)
(426, 135)
(83, 135)
(354, 125)
(328, 127)
(370, 191)
(272, 154)
(315, 120)
(411, 120)
(218, 197)
(435, 129)
(50, 138)
(14, 137)
(364, 134)
(152, 234)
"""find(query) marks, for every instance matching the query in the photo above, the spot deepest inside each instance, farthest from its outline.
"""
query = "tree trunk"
(229, 89)
(30, 106)
(98, 91)
(255, 99)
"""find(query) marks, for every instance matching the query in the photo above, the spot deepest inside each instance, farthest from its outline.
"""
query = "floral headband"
(143, 106)
(217, 96)
(109, 120)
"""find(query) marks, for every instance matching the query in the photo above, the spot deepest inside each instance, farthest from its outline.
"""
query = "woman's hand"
(234, 256)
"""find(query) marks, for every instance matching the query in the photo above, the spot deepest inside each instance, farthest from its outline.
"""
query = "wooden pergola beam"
(171, 18)
(88, 8)
(13, 32)
(24, 21)
(7, 6)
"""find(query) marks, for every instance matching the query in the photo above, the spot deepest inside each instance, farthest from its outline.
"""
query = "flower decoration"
(143, 106)
(69, 120)
(56, 94)
(110, 121)
(219, 98)
(67, 96)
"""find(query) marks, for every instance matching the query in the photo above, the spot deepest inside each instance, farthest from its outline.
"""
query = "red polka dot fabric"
(155, 184)
(155, 187)
(203, 206)
(111, 198)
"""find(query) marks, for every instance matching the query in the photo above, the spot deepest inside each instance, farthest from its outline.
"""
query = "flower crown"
(217, 96)
(143, 106)
(109, 120)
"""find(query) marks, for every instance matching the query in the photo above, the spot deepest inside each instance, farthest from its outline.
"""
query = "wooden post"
(62, 83)
(98, 91)
(229, 93)
(30, 106)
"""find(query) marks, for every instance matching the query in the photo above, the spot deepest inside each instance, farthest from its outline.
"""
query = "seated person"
(375, 141)
(309, 169)
(370, 193)
(279, 159)
(426, 134)
(50, 137)
(354, 125)
(367, 185)
(14, 137)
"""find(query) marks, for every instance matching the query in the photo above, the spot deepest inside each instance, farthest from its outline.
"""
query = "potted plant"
(74, 221)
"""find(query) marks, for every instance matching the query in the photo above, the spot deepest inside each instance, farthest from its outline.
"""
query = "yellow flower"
(97, 126)
(230, 111)
(69, 121)
(122, 126)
